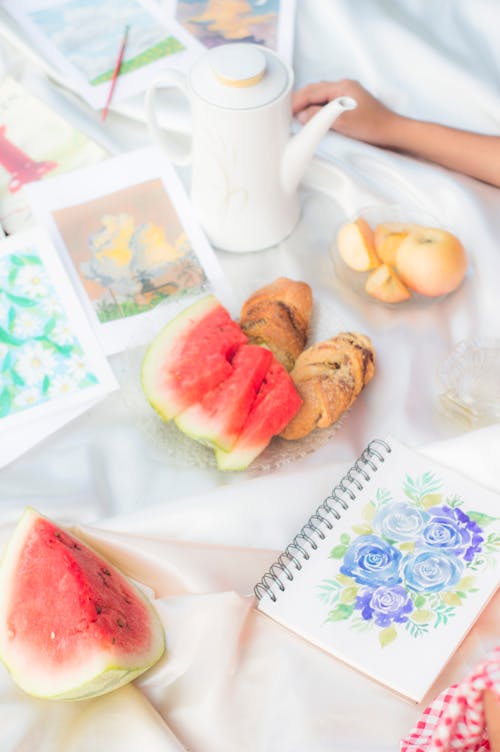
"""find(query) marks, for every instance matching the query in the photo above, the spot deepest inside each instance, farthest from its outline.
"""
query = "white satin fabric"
(233, 680)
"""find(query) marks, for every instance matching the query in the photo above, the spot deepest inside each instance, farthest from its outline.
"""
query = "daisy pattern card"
(81, 39)
(51, 366)
(131, 243)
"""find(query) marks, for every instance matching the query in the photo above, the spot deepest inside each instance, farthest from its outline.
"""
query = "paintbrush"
(116, 73)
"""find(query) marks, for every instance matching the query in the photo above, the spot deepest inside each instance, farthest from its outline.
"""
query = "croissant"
(278, 317)
(329, 376)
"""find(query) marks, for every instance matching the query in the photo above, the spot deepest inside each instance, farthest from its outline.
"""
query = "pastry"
(278, 317)
(329, 376)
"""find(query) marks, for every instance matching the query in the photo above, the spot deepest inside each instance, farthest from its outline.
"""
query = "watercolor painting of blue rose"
(410, 563)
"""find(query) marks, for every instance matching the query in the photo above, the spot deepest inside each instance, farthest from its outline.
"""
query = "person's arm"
(492, 715)
(473, 154)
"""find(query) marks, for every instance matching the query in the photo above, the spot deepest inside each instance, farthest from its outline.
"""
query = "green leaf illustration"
(338, 552)
(45, 384)
(92, 379)
(49, 326)
(482, 519)
(387, 635)
(18, 381)
(21, 301)
(467, 582)
(345, 539)
(368, 512)
(422, 617)
(345, 580)
(5, 403)
(349, 595)
(407, 546)
(419, 600)
(12, 276)
(9, 339)
(11, 319)
(451, 599)
(7, 362)
(340, 612)
(362, 529)
(431, 500)
(26, 260)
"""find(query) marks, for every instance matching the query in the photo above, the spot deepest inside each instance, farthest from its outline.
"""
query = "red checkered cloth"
(454, 721)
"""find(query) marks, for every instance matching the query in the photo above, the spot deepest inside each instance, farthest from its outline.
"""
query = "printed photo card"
(127, 233)
(51, 365)
(81, 39)
(216, 22)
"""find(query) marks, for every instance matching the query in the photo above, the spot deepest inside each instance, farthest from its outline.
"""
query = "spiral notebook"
(392, 569)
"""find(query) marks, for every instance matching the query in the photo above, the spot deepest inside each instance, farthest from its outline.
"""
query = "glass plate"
(375, 215)
(181, 449)
(470, 381)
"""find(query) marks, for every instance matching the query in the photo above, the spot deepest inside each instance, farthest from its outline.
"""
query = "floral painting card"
(51, 366)
(35, 144)
(392, 571)
(215, 22)
(131, 243)
(81, 39)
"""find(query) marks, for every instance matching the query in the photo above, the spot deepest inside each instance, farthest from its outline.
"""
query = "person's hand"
(371, 121)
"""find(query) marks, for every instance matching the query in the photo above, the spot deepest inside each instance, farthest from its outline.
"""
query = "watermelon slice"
(219, 418)
(276, 403)
(190, 356)
(71, 625)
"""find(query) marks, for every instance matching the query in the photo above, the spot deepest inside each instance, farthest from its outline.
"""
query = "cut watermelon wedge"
(71, 625)
(276, 403)
(220, 416)
(190, 356)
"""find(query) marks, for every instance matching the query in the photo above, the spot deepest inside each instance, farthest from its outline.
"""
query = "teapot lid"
(240, 76)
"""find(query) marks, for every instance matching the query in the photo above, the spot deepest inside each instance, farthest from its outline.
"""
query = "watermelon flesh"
(219, 417)
(276, 403)
(71, 625)
(190, 356)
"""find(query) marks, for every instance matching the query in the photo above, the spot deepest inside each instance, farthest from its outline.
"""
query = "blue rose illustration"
(384, 605)
(430, 571)
(400, 522)
(453, 531)
(370, 560)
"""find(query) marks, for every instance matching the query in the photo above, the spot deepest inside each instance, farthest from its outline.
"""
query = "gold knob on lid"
(238, 67)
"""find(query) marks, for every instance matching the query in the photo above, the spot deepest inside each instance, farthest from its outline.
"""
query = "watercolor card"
(51, 365)
(82, 39)
(35, 144)
(132, 245)
(215, 22)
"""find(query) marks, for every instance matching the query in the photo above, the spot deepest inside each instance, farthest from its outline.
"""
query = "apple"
(431, 261)
(385, 285)
(387, 238)
(356, 245)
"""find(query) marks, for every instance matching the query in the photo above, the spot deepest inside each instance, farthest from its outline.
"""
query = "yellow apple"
(431, 261)
(387, 238)
(384, 284)
(356, 246)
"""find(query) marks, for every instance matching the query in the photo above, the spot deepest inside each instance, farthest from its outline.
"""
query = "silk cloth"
(232, 679)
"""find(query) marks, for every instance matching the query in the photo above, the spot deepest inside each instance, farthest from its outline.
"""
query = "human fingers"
(304, 115)
(315, 94)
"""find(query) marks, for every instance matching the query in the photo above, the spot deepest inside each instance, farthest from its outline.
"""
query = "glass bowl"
(374, 215)
(470, 381)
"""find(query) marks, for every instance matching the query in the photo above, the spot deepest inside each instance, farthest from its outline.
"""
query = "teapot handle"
(178, 154)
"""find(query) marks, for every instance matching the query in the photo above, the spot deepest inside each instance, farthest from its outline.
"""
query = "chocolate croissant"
(329, 376)
(278, 317)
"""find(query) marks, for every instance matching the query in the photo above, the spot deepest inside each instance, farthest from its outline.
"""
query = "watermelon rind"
(164, 402)
(95, 669)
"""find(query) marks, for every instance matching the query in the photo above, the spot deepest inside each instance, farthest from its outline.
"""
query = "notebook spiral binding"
(296, 552)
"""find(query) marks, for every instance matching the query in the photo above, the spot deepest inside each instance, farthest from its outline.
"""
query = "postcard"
(215, 22)
(35, 143)
(51, 365)
(82, 39)
(131, 243)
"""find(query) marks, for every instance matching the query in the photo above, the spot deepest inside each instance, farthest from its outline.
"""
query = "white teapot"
(245, 165)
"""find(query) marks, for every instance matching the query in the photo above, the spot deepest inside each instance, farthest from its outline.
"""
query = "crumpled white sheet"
(233, 680)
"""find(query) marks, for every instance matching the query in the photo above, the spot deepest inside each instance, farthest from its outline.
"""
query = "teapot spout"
(300, 149)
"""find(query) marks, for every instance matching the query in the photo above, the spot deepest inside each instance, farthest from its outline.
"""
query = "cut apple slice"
(384, 284)
(388, 236)
(356, 246)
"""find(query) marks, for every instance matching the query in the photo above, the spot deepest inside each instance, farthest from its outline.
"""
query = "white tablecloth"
(233, 680)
